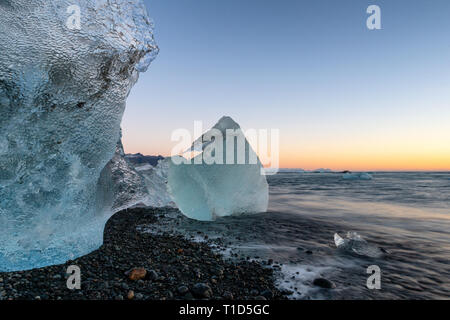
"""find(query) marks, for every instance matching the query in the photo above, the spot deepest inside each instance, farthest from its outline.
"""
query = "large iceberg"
(62, 96)
(225, 178)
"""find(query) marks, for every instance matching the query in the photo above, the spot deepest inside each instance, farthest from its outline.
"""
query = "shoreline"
(175, 269)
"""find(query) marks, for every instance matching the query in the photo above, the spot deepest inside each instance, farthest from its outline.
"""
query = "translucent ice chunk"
(62, 96)
(120, 186)
(212, 185)
(155, 179)
(123, 185)
(354, 243)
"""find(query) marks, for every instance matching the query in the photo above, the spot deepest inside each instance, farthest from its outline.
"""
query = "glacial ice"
(123, 185)
(356, 176)
(354, 243)
(120, 185)
(155, 179)
(208, 186)
(62, 96)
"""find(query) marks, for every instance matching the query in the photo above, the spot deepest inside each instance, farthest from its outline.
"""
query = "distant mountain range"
(139, 159)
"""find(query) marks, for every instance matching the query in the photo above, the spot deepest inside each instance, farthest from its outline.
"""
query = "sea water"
(407, 214)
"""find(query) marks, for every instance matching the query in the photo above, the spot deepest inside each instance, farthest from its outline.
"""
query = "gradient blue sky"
(343, 96)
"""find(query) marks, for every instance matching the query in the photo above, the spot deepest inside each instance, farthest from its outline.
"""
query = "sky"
(342, 96)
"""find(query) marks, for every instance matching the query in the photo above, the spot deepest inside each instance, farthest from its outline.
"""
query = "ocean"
(405, 214)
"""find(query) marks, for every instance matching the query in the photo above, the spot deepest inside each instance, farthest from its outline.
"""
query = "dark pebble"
(202, 290)
(228, 295)
(175, 261)
(324, 283)
(153, 275)
(267, 294)
(183, 290)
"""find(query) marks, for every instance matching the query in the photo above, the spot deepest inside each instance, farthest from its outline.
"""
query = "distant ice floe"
(356, 176)
(322, 170)
(299, 170)
(291, 170)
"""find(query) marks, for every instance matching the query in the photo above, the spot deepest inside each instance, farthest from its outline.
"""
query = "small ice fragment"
(338, 240)
(354, 243)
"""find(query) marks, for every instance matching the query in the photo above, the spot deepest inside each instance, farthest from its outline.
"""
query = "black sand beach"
(175, 268)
